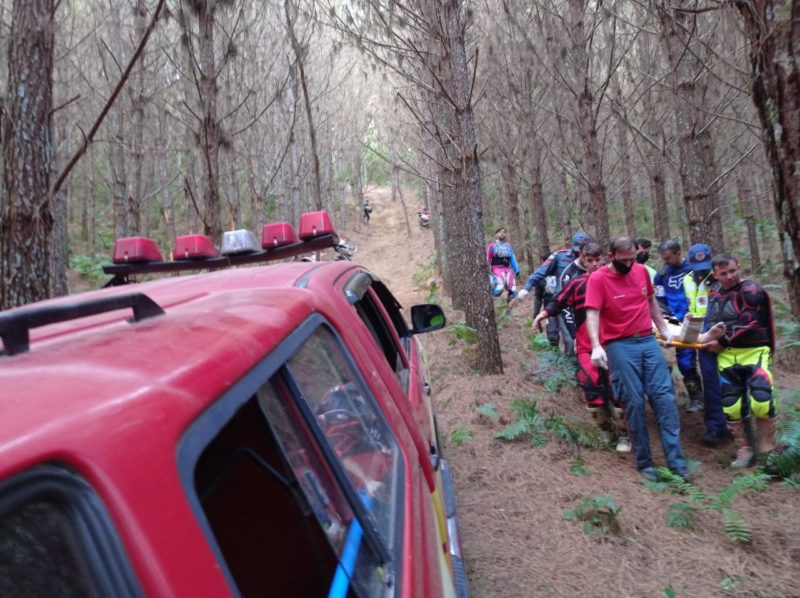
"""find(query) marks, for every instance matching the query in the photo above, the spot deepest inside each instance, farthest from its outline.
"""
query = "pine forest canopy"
(660, 119)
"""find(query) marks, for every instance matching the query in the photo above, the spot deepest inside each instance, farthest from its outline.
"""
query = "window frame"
(97, 542)
(205, 428)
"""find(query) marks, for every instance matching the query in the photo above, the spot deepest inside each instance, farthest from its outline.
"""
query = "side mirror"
(426, 317)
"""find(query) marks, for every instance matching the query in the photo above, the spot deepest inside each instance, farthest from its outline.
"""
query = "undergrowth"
(599, 514)
(684, 514)
(537, 428)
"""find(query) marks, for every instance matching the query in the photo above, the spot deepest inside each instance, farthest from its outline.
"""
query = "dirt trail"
(512, 496)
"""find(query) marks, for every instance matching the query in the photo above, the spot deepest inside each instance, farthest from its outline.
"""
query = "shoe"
(744, 458)
(695, 406)
(682, 473)
(717, 438)
(649, 473)
(623, 445)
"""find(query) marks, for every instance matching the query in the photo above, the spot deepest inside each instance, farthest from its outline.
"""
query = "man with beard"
(620, 311)
(744, 356)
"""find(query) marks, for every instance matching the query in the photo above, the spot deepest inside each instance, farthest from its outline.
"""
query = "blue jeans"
(713, 416)
(638, 368)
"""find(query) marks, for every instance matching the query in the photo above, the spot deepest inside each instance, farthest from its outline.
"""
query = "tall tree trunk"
(300, 53)
(774, 46)
(628, 206)
(210, 127)
(538, 210)
(587, 126)
(119, 177)
(137, 126)
(510, 179)
(463, 208)
(26, 218)
(746, 202)
(689, 123)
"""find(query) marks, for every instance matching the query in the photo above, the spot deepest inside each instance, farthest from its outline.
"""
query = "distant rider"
(503, 265)
(367, 210)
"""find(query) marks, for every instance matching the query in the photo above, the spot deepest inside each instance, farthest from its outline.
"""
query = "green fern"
(680, 486)
(463, 332)
(599, 515)
(514, 430)
(488, 410)
(578, 467)
(681, 515)
(575, 433)
(460, 435)
(755, 481)
(785, 464)
(736, 527)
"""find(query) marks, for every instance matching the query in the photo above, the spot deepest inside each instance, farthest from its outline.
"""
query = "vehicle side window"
(353, 425)
(38, 555)
(56, 538)
(298, 486)
(373, 318)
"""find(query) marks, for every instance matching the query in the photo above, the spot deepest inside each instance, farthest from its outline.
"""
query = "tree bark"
(210, 135)
(746, 202)
(463, 205)
(774, 46)
(693, 137)
(26, 221)
(510, 179)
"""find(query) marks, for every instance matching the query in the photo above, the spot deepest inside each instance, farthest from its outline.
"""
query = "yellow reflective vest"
(697, 293)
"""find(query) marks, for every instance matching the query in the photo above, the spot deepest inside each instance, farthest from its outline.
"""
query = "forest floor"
(512, 496)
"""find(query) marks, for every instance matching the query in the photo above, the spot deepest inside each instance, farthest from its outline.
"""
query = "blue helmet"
(576, 240)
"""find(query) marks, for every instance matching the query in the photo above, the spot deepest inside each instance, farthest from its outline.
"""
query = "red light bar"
(193, 247)
(135, 250)
(277, 234)
(315, 224)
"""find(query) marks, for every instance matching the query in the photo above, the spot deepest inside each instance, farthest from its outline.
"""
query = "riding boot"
(744, 455)
(695, 390)
(766, 435)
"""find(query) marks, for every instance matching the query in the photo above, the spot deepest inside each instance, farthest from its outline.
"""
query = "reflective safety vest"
(697, 293)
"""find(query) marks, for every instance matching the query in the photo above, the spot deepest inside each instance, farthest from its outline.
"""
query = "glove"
(666, 336)
(599, 358)
(522, 294)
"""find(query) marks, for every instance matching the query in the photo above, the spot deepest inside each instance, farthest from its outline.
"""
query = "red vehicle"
(257, 431)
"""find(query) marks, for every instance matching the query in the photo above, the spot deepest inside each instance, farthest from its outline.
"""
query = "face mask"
(621, 267)
(642, 257)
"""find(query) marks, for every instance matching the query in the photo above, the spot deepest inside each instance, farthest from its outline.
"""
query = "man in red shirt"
(620, 311)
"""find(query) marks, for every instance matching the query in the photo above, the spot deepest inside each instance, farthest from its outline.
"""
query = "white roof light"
(239, 241)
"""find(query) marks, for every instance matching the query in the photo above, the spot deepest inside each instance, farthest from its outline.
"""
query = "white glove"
(522, 294)
(599, 358)
(666, 336)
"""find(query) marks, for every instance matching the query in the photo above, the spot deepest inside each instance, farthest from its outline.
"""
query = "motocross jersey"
(502, 254)
(571, 300)
(552, 266)
(668, 284)
(746, 310)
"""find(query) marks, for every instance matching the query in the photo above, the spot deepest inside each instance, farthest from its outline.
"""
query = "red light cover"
(193, 247)
(135, 250)
(277, 234)
(315, 224)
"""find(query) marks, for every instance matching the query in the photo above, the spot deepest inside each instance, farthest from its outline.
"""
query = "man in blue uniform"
(674, 304)
(555, 266)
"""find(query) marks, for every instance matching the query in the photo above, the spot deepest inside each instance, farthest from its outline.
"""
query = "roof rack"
(15, 326)
(138, 255)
